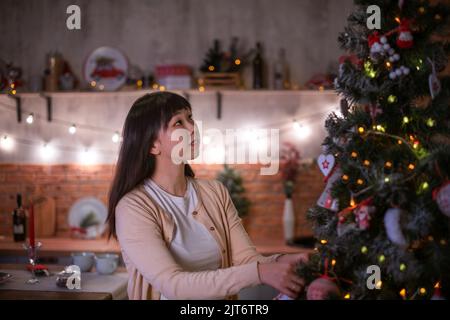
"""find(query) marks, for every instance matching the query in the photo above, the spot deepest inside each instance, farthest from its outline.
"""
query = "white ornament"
(398, 72)
(386, 46)
(391, 59)
(393, 228)
(383, 39)
(396, 57)
(442, 197)
(326, 163)
(326, 200)
(391, 51)
(392, 75)
(406, 71)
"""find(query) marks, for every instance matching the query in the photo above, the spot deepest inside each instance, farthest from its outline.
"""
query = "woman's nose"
(190, 126)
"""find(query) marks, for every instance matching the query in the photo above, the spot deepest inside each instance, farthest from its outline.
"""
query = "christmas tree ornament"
(363, 214)
(326, 200)
(405, 38)
(326, 163)
(433, 81)
(375, 46)
(323, 288)
(442, 197)
(393, 227)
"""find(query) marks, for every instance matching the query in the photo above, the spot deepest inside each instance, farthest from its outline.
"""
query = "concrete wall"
(173, 31)
(241, 110)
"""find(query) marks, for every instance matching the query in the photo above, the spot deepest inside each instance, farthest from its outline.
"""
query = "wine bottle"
(281, 72)
(258, 67)
(19, 221)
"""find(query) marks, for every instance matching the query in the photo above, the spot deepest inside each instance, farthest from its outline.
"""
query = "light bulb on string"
(302, 130)
(47, 152)
(30, 118)
(379, 284)
(116, 137)
(73, 129)
(87, 156)
(7, 143)
(403, 293)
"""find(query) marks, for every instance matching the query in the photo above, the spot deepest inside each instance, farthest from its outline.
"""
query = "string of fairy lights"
(301, 127)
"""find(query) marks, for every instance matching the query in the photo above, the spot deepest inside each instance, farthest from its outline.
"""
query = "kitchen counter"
(65, 246)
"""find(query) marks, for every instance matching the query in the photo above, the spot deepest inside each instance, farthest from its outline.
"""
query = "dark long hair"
(146, 117)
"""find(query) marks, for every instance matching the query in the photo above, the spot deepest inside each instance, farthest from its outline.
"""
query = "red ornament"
(373, 38)
(363, 216)
(405, 38)
(323, 288)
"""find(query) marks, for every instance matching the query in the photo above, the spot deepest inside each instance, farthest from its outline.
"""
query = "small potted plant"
(290, 161)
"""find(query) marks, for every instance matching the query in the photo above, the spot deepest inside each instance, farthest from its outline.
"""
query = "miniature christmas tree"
(232, 180)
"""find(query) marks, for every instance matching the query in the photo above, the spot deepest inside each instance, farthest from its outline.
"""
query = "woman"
(181, 237)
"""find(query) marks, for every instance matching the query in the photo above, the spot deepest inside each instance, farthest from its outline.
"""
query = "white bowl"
(106, 263)
(85, 260)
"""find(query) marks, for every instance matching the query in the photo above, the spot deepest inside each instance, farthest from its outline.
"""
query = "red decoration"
(352, 58)
(363, 214)
(405, 38)
(373, 38)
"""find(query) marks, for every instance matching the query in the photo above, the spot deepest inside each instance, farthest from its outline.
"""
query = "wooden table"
(50, 295)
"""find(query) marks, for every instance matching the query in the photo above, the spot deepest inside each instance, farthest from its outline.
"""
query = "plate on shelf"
(4, 277)
(106, 69)
(87, 218)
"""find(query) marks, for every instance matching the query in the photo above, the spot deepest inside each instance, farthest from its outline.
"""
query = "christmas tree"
(232, 180)
(382, 223)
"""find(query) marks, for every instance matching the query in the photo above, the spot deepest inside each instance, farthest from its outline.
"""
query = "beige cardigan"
(145, 230)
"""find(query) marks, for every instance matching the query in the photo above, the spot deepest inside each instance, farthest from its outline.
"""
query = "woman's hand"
(296, 258)
(281, 276)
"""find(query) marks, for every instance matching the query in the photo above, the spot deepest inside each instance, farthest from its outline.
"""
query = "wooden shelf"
(81, 94)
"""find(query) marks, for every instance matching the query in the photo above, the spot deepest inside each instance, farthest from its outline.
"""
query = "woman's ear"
(156, 149)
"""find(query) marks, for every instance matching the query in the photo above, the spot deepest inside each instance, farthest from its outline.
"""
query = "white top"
(192, 246)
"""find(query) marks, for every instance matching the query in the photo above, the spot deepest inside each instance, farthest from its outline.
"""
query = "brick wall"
(68, 183)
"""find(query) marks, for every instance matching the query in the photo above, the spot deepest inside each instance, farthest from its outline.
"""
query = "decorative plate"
(87, 218)
(106, 69)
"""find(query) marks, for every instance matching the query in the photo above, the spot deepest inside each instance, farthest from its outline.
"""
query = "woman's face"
(180, 141)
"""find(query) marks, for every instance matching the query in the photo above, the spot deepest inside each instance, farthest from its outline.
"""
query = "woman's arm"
(141, 238)
(242, 249)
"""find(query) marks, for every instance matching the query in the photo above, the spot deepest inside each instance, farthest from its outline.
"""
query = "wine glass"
(32, 254)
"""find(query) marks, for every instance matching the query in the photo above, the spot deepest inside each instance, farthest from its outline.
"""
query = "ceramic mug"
(106, 263)
(85, 260)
